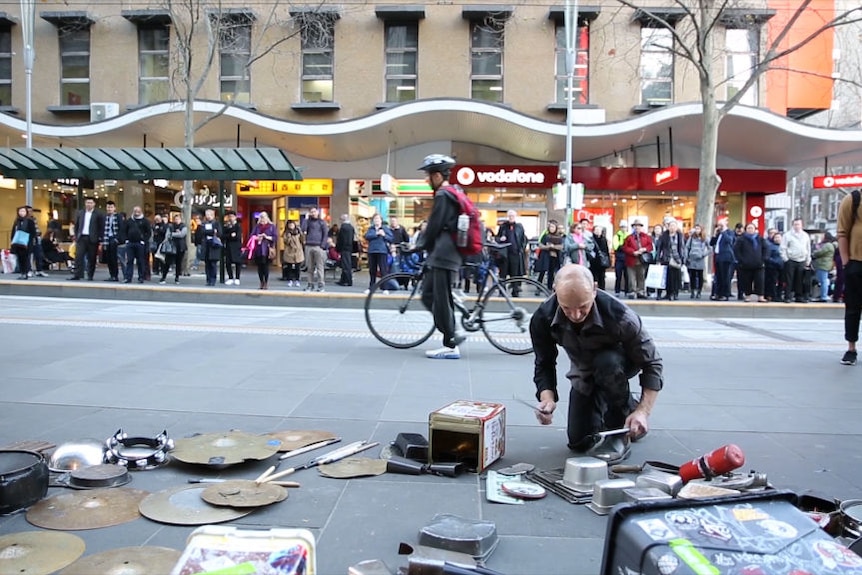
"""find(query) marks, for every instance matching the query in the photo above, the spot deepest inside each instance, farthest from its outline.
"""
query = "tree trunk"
(709, 180)
(188, 185)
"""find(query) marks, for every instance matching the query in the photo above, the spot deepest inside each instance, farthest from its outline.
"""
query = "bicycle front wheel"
(394, 311)
(506, 312)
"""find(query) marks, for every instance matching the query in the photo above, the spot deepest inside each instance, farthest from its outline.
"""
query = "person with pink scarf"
(575, 245)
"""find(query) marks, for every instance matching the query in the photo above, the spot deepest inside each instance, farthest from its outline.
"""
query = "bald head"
(576, 291)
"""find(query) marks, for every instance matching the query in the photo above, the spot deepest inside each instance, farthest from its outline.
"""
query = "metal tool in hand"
(331, 457)
(531, 406)
(602, 436)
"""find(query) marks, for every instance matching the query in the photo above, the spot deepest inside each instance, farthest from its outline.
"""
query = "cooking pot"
(23, 479)
(851, 517)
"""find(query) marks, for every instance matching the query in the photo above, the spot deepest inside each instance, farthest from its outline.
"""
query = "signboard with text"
(308, 187)
(506, 176)
(838, 181)
(665, 175)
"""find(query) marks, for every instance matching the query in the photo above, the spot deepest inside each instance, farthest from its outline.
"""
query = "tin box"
(468, 432)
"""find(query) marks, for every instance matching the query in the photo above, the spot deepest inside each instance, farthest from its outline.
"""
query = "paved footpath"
(77, 368)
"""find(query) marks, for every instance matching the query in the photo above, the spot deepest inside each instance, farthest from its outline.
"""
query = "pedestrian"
(89, 229)
(696, 252)
(551, 252)
(637, 248)
(22, 237)
(264, 248)
(607, 345)
(344, 247)
(722, 246)
(576, 246)
(114, 223)
(601, 261)
(135, 234)
(199, 248)
(233, 244)
(751, 253)
(293, 254)
(209, 239)
(38, 254)
(796, 253)
(176, 233)
(850, 248)
(53, 252)
(774, 269)
(512, 232)
(316, 245)
(379, 238)
(443, 260)
(621, 278)
(671, 244)
(823, 260)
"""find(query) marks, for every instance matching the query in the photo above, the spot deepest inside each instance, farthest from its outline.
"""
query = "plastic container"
(263, 552)
(754, 534)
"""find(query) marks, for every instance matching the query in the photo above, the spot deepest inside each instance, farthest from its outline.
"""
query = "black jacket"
(233, 242)
(748, 255)
(344, 239)
(97, 226)
(24, 224)
(206, 235)
(665, 251)
(135, 231)
(437, 239)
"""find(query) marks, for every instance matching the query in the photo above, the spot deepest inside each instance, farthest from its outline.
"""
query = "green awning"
(147, 163)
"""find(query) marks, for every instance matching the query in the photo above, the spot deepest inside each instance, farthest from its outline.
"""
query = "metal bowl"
(77, 454)
(581, 473)
(607, 493)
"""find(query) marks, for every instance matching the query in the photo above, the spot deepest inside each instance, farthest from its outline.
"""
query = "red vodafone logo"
(506, 176)
(837, 181)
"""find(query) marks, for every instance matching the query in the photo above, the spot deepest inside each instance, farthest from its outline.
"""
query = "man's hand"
(547, 405)
(638, 424)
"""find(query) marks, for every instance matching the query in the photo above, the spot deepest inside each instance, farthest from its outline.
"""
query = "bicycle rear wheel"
(506, 313)
(397, 317)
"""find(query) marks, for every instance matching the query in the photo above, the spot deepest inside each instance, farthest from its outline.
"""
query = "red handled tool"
(718, 462)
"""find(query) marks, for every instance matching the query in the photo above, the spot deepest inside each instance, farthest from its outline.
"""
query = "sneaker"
(228, 282)
(308, 288)
(42, 274)
(161, 282)
(177, 282)
(444, 353)
(366, 292)
(236, 282)
(849, 358)
(320, 289)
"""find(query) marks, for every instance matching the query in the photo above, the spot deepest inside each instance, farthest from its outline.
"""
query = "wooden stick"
(285, 483)
(264, 474)
(269, 478)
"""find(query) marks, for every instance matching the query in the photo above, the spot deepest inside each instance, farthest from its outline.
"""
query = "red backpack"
(470, 244)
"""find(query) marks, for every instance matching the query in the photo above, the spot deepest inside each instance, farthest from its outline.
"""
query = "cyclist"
(443, 261)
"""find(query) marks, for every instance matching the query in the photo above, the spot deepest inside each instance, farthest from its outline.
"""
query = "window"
(74, 65)
(816, 209)
(486, 51)
(742, 49)
(581, 82)
(234, 56)
(402, 46)
(5, 66)
(153, 64)
(656, 69)
(317, 54)
(834, 202)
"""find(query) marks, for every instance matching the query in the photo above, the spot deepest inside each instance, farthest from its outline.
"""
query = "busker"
(607, 345)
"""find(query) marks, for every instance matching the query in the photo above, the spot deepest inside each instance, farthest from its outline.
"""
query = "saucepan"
(23, 479)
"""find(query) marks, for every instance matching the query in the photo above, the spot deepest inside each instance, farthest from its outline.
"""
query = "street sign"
(838, 181)
(666, 175)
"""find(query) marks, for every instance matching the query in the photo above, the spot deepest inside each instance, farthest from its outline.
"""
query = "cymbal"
(224, 448)
(294, 439)
(184, 506)
(353, 467)
(126, 561)
(87, 509)
(38, 552)
(243, 493)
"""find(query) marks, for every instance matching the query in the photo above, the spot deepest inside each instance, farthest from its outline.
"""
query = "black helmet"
(437, 163)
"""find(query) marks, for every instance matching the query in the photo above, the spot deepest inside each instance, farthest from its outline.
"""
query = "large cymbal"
(224, 448)
(294, 439)
(126, 561)
(87, 509)
(184, 506)
(38, 552)
(243, 493)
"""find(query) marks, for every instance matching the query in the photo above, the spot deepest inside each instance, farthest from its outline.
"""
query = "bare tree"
(694, 41)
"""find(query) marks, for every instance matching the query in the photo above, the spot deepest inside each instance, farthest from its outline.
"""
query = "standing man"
(135, 235)
(722, 246)
(89, 227)
(607, 345)
(850, 251)
(621, 278)
(208, 237)
(443, 260)
(344, 247)
(796, 253)
(316, 235)
(512, 232)
(110, 241)
(635, 245)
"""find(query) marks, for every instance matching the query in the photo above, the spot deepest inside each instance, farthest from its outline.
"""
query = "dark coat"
(345, 237)
(233, 243)
(178, 236)
(773, 259)
(437, 239)
(135, 231)
(601, 243)
(725, 241)
(97, 226)
(205, 236)
(24, 224)
(750, 255)
(665, 251)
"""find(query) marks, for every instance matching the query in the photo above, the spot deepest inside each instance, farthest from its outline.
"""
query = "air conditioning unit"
(103, 110)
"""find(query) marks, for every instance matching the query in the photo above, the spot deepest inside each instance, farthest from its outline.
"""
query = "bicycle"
(502, 310)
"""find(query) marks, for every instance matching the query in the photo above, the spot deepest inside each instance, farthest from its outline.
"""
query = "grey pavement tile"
(427, 384)
(372, 518)
(751, 397)
(553, 555)
(547, 517)
(411, 408)
(340, 406)
(695, 417)
(777, 419)
(40, 421)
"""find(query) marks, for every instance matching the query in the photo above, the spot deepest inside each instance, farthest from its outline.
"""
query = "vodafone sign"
(506, 176)
(838, 181)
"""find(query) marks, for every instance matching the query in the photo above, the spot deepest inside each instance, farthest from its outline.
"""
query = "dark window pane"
(75, 94)
(400, 90)
(154, 65)
(487, 36)
(6, 41)
(235, 91)
(5, 94)
(5, 68)
(488, 90)
(154, 39)
(75, 40)
(76, 66)
(487, 64)
(234, 66)
(402, 36)
(152, 91)
(317, 64)
(401, 63)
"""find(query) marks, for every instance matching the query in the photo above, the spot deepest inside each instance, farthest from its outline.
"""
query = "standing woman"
(208, 236)
(379, 238)
(265, 232)
(233, 248)
(575, 245)
(176, 233)
(751, 254)
(23, 236)
(602, 260)
(293, 254)
(550, 252)
(696, 252)
(670, 253)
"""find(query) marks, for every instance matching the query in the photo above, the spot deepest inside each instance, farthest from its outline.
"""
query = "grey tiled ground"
(794, 413)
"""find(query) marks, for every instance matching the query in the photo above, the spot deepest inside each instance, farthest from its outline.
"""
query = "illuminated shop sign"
(838, 181)
(506, 176)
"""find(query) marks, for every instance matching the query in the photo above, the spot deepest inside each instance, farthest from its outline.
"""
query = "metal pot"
(23, 479)
(851, 517)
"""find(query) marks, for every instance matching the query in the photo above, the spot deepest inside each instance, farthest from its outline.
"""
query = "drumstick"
(286, 483)
(264, 474)
(269, 478)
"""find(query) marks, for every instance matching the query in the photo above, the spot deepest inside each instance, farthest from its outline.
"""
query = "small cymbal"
(126, 561)
(353, 467)
(225, 448)
(184, 506)
(87, 509)
(38, 552)
(294, 439)
(243, 493)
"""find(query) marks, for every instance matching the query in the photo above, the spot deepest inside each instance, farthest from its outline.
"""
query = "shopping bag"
(159, 255)
(9, 261)
(684, 274)
(21, 238)
(656, 277)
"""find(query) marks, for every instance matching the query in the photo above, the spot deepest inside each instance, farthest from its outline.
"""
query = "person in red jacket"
(637, 244)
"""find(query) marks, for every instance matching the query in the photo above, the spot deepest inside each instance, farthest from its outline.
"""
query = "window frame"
(64, 30)
(153, 80)
(480, 52)
(309, 49)
(228, 24)
(658, 52)
(753, 92)
(582, 54)
(6, 83)
(398, 52)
